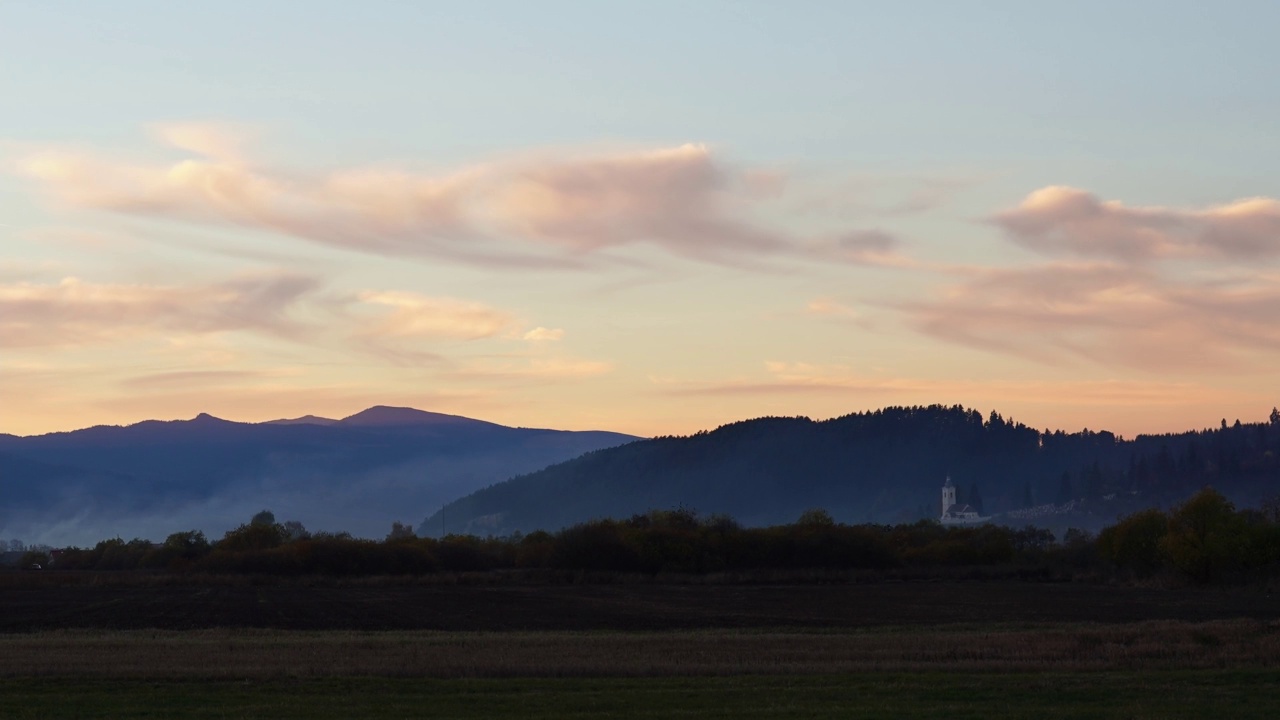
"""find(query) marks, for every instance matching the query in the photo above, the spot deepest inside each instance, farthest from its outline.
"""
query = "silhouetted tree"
(34, 558)
(1134, 543)
(400, 531)
(1065, 493)
(815, 517)
(294, 530)
(1206, 537)
(1091, 478)
(975, 498)
(264, 517)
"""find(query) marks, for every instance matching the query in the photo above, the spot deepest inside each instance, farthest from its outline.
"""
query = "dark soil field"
(33, 603)
(124, 645)
(1239, 695)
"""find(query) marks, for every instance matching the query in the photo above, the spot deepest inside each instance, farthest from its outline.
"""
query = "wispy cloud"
(541, 334)
(411, 315)
(828, 307)
(75, 312)
(871, 247)
(564, 210)
(1068, 221)
(802, 379)
(674, 198)
(540, 368)
(197, 378)
(1109, 314)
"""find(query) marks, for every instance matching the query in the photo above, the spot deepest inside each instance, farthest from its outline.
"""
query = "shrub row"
(1205, 541)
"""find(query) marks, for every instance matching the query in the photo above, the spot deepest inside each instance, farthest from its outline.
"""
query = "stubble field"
(121, 647)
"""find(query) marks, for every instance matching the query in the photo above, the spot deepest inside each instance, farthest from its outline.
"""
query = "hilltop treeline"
(1205, 540)
(883, 466)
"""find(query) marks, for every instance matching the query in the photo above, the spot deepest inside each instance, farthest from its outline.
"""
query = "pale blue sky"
(861, 106)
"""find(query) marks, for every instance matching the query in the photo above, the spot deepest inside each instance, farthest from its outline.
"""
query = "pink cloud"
(675, 199)
(870, 247)
(802, 379)
(412, 315)
(74, 312)
(548, 368)
(1108, 314)
(1064, 220)
(542, 334)
(534, 211)
(381, 212)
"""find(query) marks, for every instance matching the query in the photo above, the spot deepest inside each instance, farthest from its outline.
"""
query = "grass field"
(119, 601)
(1239, 694)
(139, 648)
(282, 654)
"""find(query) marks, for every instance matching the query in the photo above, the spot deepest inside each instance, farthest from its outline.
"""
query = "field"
(146, 647)
(1134, 696)
(120, 601)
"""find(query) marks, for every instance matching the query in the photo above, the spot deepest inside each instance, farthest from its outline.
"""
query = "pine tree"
(1065, 493)
(975, 498)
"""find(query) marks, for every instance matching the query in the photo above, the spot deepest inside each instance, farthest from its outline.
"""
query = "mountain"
(383, 416)
(304, 420)
(357, 474)
(881, 467)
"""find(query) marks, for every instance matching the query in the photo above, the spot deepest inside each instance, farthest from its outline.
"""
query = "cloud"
(880, 195)
(799, 378)
(831, 308)
(1109, 314)
(419, 316)
(673, 198)
(542, 368)
(213, 140)
(372, 211)
(75, 312)
(541, 334)
(566, 210)
(1061, 220)
(197, 378)
(871, 247)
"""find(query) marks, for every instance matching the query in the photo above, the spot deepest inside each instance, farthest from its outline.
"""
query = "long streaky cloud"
(418, 316)
(75, 312)
(799, 378)
(1110, 314)
(529, 212)
(1062, 220)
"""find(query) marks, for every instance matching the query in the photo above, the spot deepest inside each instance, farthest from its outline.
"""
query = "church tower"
(948, 496)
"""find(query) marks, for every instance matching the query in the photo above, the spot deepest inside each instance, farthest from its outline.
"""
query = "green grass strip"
(1134, 695)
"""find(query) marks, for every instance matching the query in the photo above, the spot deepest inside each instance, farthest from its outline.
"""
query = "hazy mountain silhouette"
(384, 416)
(879, 467)
(304, 420)
(356, 474)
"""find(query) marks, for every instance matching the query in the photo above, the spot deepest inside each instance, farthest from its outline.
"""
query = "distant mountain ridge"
(385, 416)
(356, 474)
(884, 466)
(304, 420)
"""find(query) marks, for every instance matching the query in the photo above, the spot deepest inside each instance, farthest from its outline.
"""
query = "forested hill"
(882, 466)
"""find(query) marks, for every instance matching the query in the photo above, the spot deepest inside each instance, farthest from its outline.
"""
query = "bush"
(1206, 539)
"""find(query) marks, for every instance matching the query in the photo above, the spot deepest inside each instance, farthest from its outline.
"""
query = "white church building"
(953, 514)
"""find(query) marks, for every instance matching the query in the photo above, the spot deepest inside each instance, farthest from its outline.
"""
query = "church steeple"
(948, 496)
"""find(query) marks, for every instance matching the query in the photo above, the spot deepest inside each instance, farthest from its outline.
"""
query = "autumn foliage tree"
(1207, 540)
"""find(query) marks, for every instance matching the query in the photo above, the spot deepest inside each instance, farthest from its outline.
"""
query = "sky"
(649, 217)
